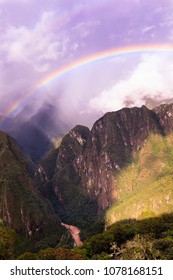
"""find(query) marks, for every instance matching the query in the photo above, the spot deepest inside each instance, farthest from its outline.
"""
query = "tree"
(140, 248)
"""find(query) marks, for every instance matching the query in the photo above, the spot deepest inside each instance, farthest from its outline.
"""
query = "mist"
(37, 39)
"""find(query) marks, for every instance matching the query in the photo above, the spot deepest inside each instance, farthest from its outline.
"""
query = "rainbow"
(96, 57)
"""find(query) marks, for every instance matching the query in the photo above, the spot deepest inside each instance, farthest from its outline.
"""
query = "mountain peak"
(165, 115)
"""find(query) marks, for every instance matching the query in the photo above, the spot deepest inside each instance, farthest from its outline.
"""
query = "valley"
(97, 185)
(75, 233)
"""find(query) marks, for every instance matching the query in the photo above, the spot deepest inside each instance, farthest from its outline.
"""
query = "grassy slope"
(145, 186)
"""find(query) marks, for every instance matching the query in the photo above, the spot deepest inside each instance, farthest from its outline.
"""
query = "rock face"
(72, 145)
(165, 115)
(112, 142)
(21, 205)
(62, 185)
(87, 161)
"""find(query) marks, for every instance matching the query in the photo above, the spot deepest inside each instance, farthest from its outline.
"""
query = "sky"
(39, 37)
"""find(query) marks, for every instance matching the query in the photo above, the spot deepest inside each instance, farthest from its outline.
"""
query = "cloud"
(153, 77)
(37, 47)
(38, 39)
(84, 29)
(15, 1)
(147, 28)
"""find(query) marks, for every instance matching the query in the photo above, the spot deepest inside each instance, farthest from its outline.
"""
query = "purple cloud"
(38, 37)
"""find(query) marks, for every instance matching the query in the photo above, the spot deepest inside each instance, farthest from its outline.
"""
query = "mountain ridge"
(30, 128)
(91, 172)
(22, 207)
(80, 177)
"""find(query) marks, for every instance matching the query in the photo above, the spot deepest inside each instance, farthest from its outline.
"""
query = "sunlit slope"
(145, 187)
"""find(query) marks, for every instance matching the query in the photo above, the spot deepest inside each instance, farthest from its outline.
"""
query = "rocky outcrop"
(72, 145)
(165, 116)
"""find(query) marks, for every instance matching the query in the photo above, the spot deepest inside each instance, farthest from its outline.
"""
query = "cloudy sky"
(40, 37)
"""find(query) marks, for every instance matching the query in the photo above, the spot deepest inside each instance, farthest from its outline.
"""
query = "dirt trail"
(74, 231)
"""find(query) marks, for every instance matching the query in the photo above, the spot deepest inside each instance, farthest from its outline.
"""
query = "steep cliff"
(21, 206)
(113, 141)
(86, 165)
(59, 181)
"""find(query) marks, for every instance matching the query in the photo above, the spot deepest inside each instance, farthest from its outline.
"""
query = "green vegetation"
(21, 206)
(52, 254)
(139, 225)
(77, 208)
(8, 243)
(146, 239)
(49, 164)
(144, 190)
(145, 186)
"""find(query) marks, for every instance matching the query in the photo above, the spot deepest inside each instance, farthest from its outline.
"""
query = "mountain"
(113, 141)
(60, 182)
(119, 170)
(151, 103)
(144, 186)
(22, 207)
(165, 114)
(30, 129)
(81, 176)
